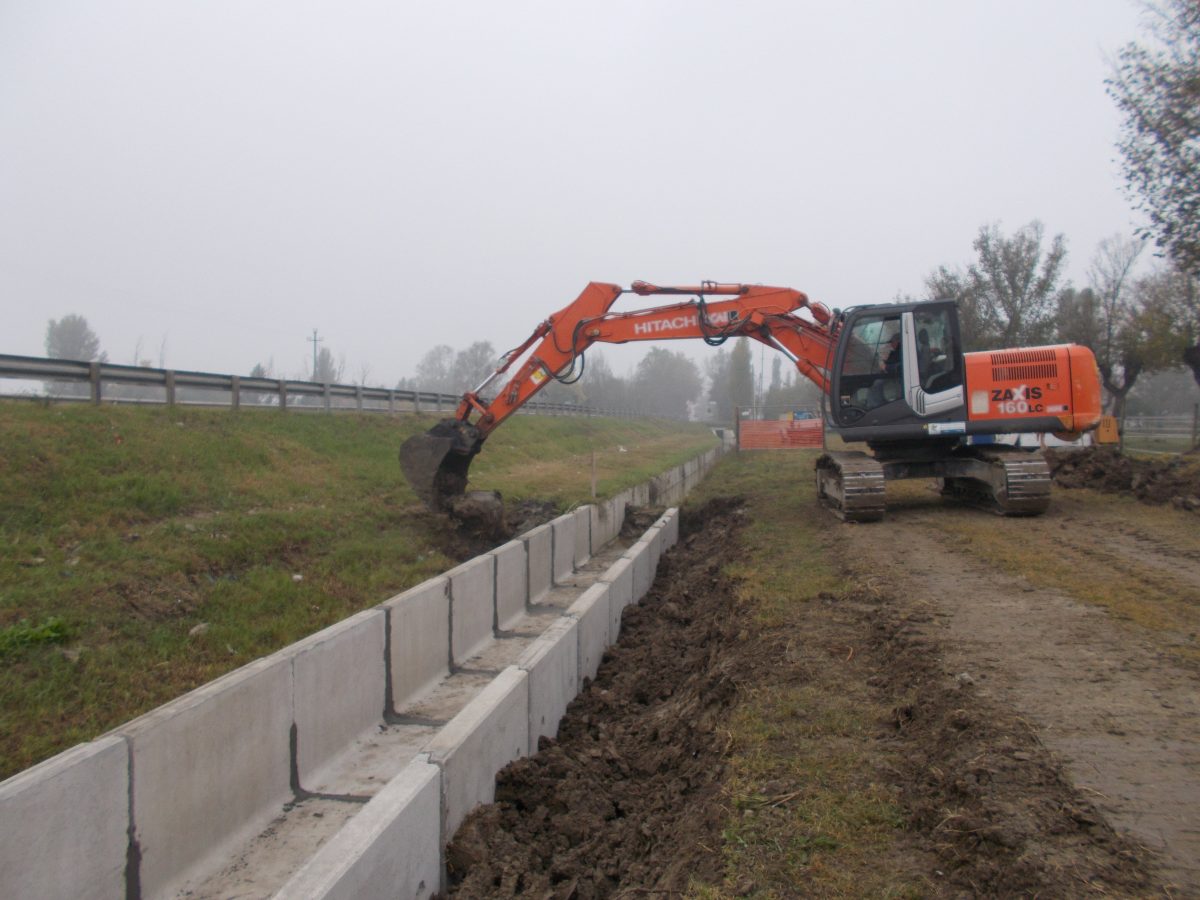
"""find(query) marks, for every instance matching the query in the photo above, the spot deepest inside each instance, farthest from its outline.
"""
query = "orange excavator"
(894, 377)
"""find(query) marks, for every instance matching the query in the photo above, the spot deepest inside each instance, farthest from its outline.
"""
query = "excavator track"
(1006, 482)
(851, 484)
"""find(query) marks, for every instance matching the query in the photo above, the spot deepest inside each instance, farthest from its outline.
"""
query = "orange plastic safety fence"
(780, 435)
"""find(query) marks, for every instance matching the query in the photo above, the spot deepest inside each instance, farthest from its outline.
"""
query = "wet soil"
(473, 526)
(630, 799)
(629, 793)
(1174, 480)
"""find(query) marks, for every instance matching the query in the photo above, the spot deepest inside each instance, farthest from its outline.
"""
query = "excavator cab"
(897, 370)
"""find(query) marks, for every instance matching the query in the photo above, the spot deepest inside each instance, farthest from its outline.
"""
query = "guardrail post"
(391, 401)
(94, 378)
(358, 403)
(169, 377)
(282, 394)
(417, 401)
(235, 391)
(437, 402)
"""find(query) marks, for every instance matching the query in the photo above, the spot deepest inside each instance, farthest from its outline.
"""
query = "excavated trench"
(631, 800)
(630, 792)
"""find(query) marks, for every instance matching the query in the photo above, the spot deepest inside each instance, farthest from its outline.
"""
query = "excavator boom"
(436, 463)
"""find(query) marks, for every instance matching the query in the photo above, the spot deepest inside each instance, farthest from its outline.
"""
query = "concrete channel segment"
(64, 825)
(552, 664)
(210, 770)
(563, 529)
(489, 733)
(592, 613)
(393, 844)
(512, 584)
(419, 639)
(539, 547)
(472, 607)
(619, 578)
(332, 709)
(605, 525)
(583, 535)
(338, 766)
(639, 556)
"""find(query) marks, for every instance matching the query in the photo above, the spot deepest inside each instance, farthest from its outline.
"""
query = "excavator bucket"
(436, 462)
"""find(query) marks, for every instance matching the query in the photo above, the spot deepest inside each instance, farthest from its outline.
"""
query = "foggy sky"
(216, 179)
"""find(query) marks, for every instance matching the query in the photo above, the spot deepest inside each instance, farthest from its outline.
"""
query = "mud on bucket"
(435, 463)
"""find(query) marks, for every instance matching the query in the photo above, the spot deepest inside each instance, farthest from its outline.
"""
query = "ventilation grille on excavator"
(1024, 365)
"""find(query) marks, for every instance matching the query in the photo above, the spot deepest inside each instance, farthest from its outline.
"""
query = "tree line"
(663, 383)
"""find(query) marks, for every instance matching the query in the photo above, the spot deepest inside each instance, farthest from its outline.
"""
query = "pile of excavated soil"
(1174, 480)
(629, 794)
(472, 528)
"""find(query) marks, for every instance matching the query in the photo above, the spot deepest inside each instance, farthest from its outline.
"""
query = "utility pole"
(315, 340)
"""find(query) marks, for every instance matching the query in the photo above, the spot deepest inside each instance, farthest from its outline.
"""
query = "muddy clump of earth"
(479, 521)
(1174, 480)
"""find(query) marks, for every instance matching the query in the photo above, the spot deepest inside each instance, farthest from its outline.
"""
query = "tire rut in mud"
(979, 788)
(629, 793)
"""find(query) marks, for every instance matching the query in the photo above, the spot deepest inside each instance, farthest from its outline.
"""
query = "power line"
(315, 341)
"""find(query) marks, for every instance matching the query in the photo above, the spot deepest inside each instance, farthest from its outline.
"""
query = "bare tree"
(1118, 355)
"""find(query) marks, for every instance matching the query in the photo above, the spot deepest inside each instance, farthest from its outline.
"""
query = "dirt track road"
(1116, 701)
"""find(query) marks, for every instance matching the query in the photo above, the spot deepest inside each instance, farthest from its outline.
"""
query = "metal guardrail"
(112, 383)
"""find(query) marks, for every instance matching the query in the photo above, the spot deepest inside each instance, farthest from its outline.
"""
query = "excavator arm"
(436, 463)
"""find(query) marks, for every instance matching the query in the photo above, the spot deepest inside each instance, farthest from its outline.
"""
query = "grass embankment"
(144, 552)
(806, 805)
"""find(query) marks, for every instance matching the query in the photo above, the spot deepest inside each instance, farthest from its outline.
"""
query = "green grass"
(13, 638)
(807, 816)
(145, 551)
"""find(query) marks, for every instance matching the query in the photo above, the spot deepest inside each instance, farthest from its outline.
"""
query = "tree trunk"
(1191, 356)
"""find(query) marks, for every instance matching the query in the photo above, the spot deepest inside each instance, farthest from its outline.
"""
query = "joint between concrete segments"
(389, 698)
(496, 595)
(451, 667)
(528, 579)
(294, 762)
(133, 850)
